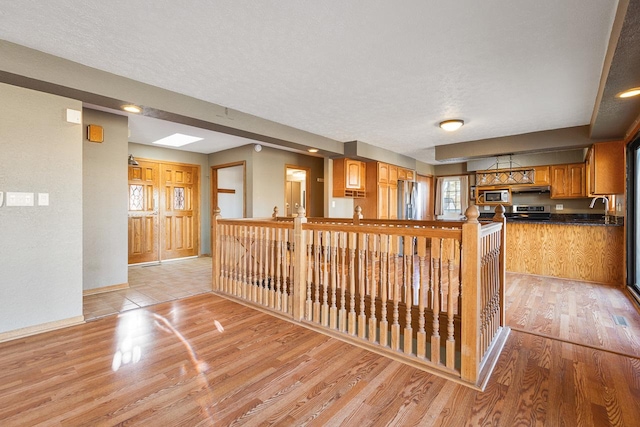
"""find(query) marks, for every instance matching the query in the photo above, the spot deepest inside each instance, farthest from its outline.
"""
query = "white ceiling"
(382, 72)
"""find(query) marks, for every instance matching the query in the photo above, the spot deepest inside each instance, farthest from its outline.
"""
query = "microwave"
(495, 196)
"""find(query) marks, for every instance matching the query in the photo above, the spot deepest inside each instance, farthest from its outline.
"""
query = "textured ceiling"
(382, 72)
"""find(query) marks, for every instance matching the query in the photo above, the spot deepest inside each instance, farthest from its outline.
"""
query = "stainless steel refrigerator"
(407, 197)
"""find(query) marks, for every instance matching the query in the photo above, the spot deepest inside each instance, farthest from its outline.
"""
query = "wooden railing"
(429, 293)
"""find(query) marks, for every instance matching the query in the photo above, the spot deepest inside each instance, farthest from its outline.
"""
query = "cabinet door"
(558, 179)
(383, 201)
(393, 175)
(402, 174)
(383, 173)
(541, 175)
(354, 176)
(608, 168)
(575, 185)
(393, 202)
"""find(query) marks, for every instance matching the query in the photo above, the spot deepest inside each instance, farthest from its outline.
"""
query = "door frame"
(214, 185)
(633, 228)
(307, 187)
(196, 207)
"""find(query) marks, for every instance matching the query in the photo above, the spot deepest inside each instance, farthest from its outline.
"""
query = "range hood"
(530, 188)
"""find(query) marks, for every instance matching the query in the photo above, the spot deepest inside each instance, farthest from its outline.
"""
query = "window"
(178, 198)
(136, 198)
(452, 197)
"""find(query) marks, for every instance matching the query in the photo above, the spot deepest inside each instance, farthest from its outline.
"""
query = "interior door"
(179, 211)
(143, 212)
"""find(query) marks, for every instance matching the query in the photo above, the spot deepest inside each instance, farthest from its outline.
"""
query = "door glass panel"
(178, 198)
(136, 197)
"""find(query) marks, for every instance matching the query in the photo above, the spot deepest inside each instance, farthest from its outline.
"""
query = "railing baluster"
(342, 313)
(362, 259)
(333, 310)
(452, 294)
(421, 338)
(373, 280)
(436, 251)
(384, 290)
(407, 253)
(325, 278)
(310, 267)
(352, 284)
(278, 249)
(316, 268)
(395, 326)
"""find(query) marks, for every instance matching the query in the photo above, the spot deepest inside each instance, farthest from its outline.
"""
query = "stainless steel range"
(530, 212)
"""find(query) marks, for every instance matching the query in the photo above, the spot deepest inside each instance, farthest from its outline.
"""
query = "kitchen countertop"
(569, 219)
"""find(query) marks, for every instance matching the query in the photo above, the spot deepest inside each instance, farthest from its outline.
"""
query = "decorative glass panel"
(178, 198)
(136, 197)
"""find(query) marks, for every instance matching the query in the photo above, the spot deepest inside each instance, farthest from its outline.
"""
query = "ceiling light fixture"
(629, 93)
(313, 150)
(451, 125)
(132, 108)
(177, 140)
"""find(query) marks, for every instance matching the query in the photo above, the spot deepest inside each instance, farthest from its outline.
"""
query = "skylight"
(177, 140)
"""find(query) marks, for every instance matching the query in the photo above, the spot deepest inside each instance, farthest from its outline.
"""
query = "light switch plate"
(487, 208)
(19, 199)
(43, 199)
(559, 207)
(74, 116)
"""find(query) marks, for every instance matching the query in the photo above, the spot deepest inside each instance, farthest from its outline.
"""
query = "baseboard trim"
(104, 289)
(38, 329)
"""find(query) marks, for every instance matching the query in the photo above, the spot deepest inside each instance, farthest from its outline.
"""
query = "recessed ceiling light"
(177, 140)
(313, 150)
(132, 108)
(451, 125)
(629, 93)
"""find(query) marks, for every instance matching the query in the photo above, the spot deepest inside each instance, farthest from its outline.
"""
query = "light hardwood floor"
(203, 360)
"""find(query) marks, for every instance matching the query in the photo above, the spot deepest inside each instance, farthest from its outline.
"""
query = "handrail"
(415, 290)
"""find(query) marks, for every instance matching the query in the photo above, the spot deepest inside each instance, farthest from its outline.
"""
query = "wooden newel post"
(216, 250)
(300, 263)
(470, 321)
(499, 217)
(275, 213)
(357, 215)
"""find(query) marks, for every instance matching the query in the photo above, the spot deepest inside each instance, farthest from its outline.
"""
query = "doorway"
(227, 190)
(296, 191)
(163, 211)
(633, 217)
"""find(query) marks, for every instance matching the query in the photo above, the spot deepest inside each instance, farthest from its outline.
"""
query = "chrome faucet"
(604, 199)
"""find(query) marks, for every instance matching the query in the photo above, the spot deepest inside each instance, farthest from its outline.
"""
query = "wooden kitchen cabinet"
(349, 177)
(542, 175)
(568, 181)
(381, 201)
(606, 168)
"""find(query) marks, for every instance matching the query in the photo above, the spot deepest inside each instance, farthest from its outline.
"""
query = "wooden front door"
(180, 229)
(143, 212)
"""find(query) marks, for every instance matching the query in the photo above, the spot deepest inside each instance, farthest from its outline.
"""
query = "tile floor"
(152, 284)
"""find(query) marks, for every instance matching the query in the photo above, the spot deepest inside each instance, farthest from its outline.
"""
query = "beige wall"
(104, 202)
(41, 258)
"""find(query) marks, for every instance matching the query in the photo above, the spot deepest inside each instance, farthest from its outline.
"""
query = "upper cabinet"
(542, 175)
(349, 178)
(606, 168)
(568, 181)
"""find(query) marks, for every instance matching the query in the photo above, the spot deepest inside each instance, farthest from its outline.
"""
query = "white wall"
(41, 251)
(104, 200)
(231, 178)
